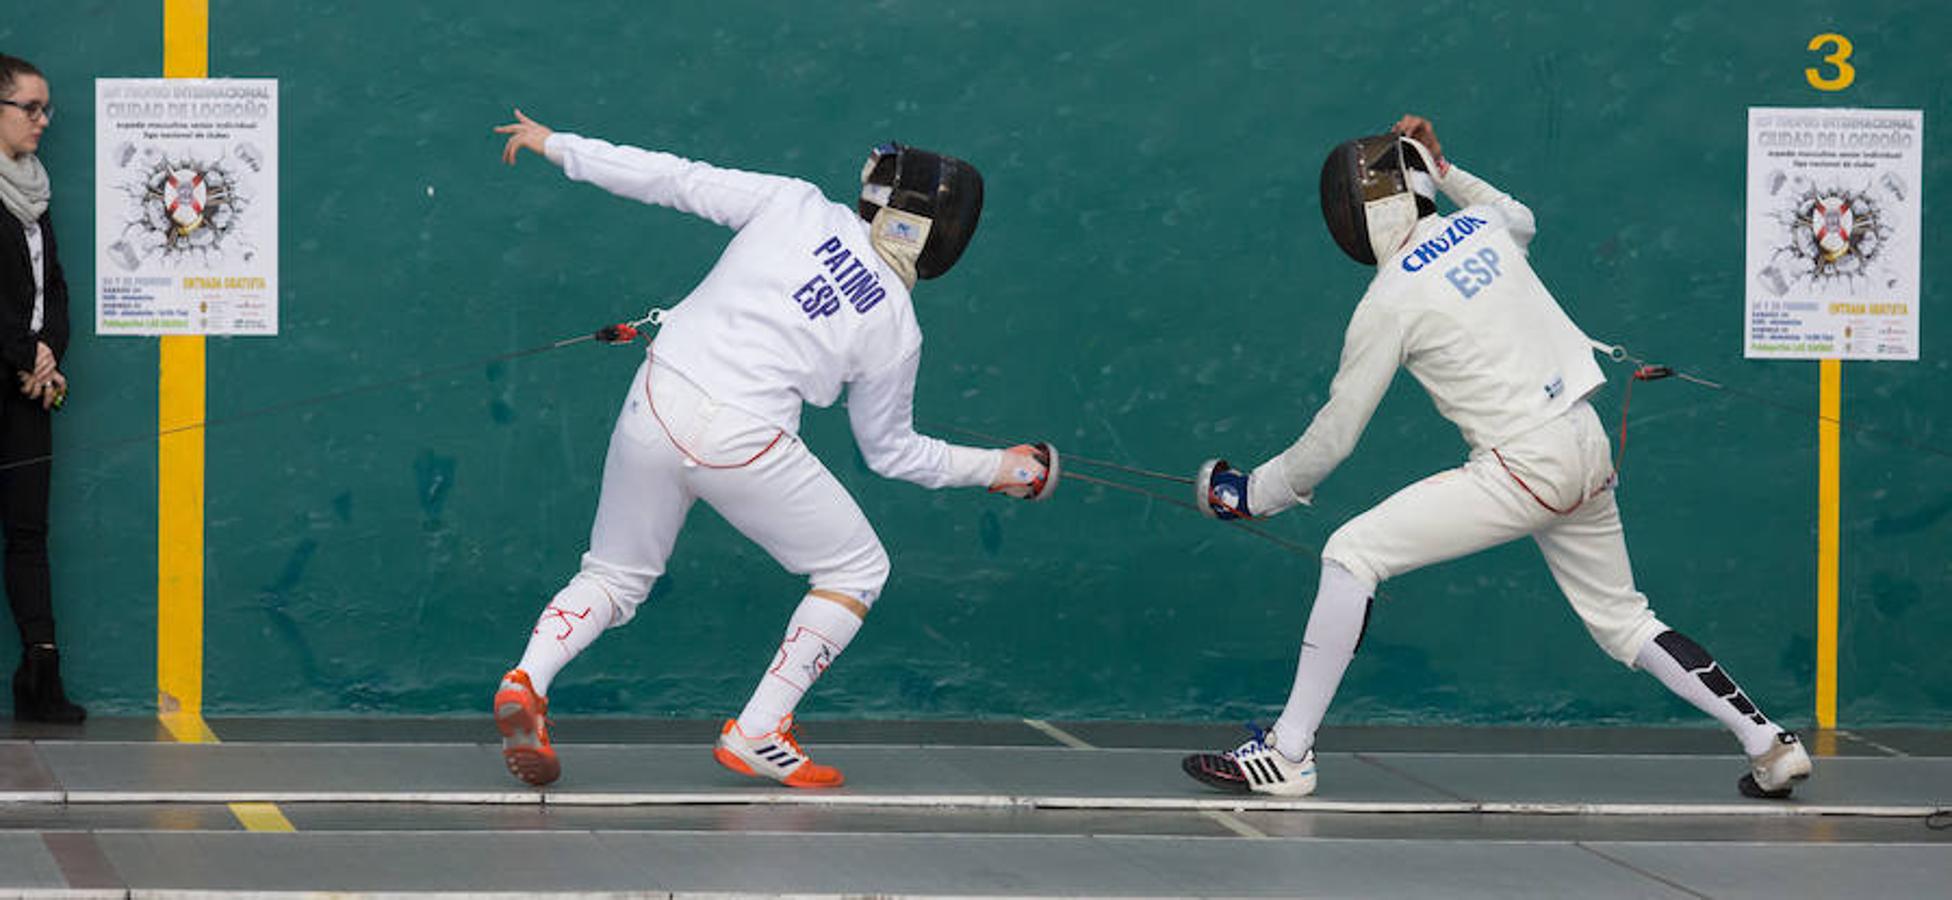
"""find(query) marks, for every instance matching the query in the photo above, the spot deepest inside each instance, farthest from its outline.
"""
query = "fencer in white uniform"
(1456, 302)
(810, 296)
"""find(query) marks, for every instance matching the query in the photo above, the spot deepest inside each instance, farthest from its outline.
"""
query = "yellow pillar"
(1829, 525)
(179, 455)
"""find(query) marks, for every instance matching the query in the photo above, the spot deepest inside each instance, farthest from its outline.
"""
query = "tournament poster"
(1834, 238)
(186, 206)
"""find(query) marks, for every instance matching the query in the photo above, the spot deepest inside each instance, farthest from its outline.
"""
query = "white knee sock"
(819, 630)
(579, 612)
(1335, 627)
(1690, 672)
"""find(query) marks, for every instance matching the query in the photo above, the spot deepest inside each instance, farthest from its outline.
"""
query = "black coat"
(17, 295)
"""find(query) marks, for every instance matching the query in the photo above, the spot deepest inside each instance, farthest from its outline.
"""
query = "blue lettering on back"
(1475, 273)
(851, 280)
(1439, 244)
(816, 298)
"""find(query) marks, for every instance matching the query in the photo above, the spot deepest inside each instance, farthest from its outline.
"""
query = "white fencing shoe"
(1254, 766)
(1772, 775)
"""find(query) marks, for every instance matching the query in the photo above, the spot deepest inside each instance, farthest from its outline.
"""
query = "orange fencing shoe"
(523, 719)
(775, 754)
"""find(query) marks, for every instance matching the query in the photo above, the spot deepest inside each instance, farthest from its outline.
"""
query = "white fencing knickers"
(686, 447)
(1553, 483)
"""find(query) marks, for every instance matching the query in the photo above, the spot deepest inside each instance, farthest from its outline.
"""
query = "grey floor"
(1011, 808)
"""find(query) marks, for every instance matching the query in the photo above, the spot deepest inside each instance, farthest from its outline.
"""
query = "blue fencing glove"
(1222, 491)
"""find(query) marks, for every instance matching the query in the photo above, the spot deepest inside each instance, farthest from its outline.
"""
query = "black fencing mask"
(920, 206)
(1374, 189)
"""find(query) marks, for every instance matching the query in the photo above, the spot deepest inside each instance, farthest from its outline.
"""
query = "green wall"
(1152, 285)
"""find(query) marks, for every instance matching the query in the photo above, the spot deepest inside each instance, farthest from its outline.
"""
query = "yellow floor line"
(261, 817)
(190, 728)
(187, 728)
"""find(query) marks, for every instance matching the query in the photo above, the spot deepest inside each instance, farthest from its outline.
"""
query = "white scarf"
(24, 187)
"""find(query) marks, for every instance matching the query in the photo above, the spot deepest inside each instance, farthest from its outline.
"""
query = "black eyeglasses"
(34, 109)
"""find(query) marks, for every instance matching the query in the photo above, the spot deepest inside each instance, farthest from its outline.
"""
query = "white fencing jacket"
(798, 306)
(1460, 307)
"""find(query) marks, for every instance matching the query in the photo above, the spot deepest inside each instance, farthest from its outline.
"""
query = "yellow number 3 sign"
(1846, 73)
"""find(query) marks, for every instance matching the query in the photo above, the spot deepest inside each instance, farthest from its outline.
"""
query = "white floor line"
(1058, 734)
(1890, 751)
(33, 797)
(1233, 824)
(844, 798)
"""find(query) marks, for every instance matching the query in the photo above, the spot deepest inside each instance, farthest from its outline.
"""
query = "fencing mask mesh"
(1374, 189)
(944, 190)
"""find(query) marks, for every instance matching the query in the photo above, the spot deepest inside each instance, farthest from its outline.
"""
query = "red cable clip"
(620, 333)
(1652, 373)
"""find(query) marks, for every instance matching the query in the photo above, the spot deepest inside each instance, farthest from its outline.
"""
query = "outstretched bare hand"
(523, 133)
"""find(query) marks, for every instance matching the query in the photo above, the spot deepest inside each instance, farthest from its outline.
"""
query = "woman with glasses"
(33, 338)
